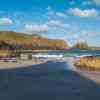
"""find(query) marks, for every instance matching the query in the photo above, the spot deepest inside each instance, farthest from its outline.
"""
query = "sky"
(71, 20)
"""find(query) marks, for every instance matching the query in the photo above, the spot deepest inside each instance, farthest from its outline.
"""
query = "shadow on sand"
(49, 81)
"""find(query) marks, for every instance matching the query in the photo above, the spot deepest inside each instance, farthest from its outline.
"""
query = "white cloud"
(60, 14)
(56, 23)
(36, 28)
(52, 12)
(6, 21)
(39, 28)
(97, 2)
(84, 13)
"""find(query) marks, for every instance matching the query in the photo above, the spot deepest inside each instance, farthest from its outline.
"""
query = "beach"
(91, 75)
(70, 61)
(47, 81)
(54, 79)
(19, 63)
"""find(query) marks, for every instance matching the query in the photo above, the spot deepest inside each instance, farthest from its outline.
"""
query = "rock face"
(31, 41)
(81, 45)
(49, 43)
(90, 63)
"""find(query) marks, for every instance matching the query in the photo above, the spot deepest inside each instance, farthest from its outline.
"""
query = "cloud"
(84, 13)
(40, 28)
(36, 28)
(97, 2)
(6, 21)
(52, 12)
(56, 23)
(60, 14)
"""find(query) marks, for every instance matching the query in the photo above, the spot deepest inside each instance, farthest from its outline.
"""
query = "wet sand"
(19, 64)
(89, 74)
(92, 75)
(48, 81)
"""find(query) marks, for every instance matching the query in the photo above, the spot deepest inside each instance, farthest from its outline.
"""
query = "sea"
(67, 53)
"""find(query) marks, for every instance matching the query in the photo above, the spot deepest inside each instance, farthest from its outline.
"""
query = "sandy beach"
(89, 67)
(49, 81)
(19, 63)
(91, 75)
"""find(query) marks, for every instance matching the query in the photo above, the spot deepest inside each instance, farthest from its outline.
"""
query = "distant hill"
(31, 41)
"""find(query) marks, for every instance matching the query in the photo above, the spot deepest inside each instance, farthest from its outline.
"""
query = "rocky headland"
(89, 63)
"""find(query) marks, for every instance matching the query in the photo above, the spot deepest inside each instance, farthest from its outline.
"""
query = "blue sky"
(71, 20)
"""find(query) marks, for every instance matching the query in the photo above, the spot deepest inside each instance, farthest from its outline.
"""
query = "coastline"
(91, 63)
(19, 64)
(91, 75)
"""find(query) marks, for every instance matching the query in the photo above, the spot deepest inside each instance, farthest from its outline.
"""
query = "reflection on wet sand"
(49, 81)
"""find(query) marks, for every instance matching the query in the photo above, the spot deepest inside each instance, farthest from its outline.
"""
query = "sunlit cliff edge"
(31, 41)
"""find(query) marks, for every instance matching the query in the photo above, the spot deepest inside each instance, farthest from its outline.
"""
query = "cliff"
(31, 41)
(81, 46)
(49, 43)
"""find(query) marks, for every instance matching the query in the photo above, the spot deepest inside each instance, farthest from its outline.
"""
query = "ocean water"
(48, 81)
(69, 53)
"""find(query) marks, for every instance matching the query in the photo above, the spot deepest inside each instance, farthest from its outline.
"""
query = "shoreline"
(19, 64)
(92, 75)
